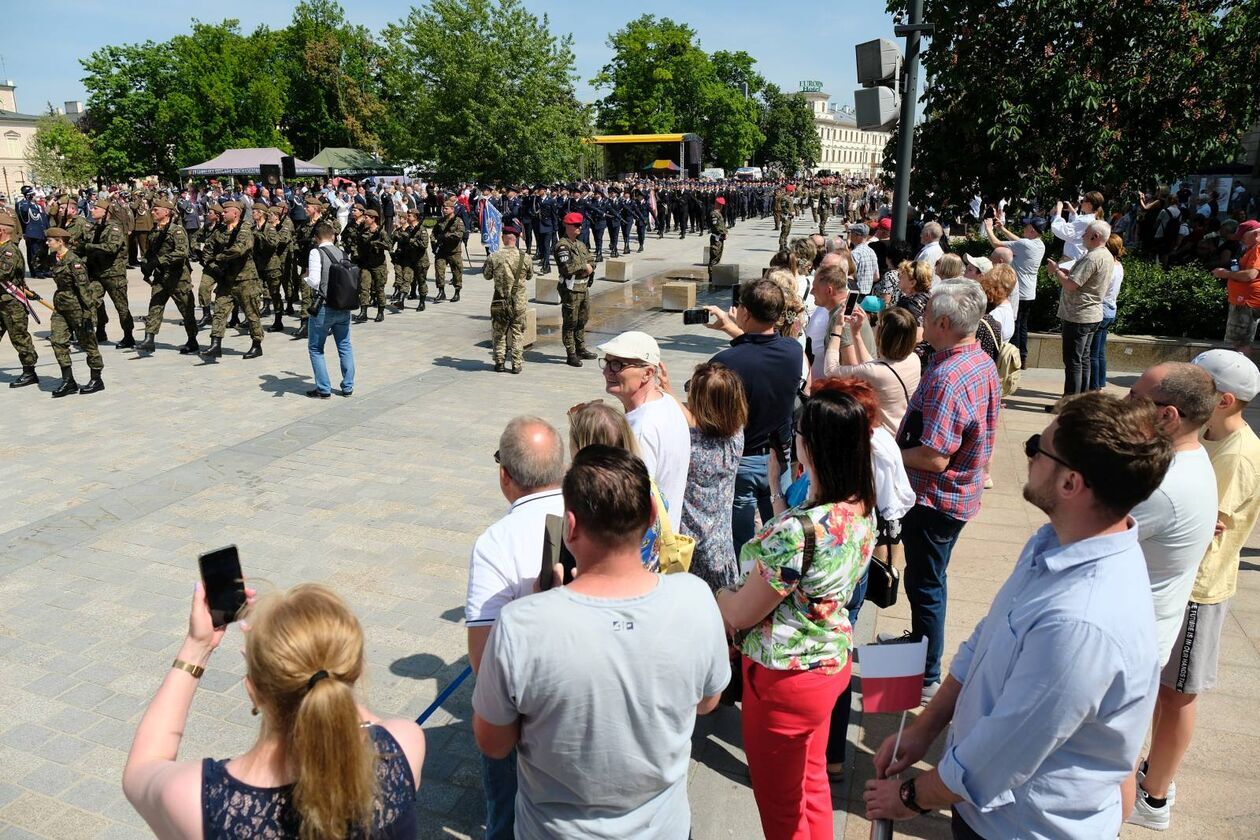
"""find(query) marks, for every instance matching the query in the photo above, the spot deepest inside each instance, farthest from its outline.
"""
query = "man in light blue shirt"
(1047, 702)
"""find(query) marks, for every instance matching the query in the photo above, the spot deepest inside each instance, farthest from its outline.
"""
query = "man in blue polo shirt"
(770, 367)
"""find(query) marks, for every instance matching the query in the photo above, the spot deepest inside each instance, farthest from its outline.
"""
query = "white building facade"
(17, 130)
(846, 149)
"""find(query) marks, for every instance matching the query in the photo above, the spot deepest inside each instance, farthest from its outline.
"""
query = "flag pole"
(883, 829)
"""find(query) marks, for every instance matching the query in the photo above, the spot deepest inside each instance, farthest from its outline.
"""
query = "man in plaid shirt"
(946, 438)
(864, 259)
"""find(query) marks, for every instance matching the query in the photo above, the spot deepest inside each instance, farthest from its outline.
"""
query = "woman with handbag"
(800, 571)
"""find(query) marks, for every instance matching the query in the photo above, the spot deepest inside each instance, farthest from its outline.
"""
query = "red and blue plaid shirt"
(959, 399)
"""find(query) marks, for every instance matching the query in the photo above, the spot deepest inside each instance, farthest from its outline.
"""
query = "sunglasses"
(618, 365)
(1032, 448)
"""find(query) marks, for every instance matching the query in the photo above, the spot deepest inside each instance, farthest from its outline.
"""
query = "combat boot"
(455, 297)
(415, 285)
(302, 331)
(68, 385)
(215, 350)
(146, 346)
(441, 295)
(94, 384)
(128, 342)
(28, 377)
(516, 368)
(266, 309)
(380, 314)
(254, 351)
(101, 336)
(191, 347)
(207, 316)
(420, 305)
(235, 320)
(278, 324)
(498, 367)
(362, 316)
(573, 360)
(583, 353)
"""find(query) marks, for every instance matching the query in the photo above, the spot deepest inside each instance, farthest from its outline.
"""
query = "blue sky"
(792, 41)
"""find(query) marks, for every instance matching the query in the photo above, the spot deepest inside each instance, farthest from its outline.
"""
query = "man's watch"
(907, 798)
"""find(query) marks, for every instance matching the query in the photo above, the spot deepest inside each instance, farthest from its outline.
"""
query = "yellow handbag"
(676, 548)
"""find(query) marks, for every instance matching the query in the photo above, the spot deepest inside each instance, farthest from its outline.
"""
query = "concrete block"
(531, 326)
(677, 296)
(725, 275)
(618, 271)
(705, 255)
(546, 290)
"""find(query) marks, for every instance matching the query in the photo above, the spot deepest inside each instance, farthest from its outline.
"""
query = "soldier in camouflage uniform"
(510, 269)
(230, 260)
(404, 259)
(72, 315)
(576, 272)
(448, 240)
(824, 209)
(717, 233)
(205, 292)
(13, 314)
(785, 213)
(267, 261)
(374, 243)
(79, 229)
(279, 231)
(165, 266)
(106, 253)
(420, 277)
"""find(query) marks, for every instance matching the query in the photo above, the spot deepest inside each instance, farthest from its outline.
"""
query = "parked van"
(713, 175)
(749, 173)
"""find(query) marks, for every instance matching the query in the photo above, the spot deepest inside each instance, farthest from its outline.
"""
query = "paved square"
(105, 502)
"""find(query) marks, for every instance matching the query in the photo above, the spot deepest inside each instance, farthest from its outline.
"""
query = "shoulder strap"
(900, 381)
(992, 334)
(809, 530)
(662, 515)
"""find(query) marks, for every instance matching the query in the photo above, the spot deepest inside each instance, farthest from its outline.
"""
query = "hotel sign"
(811, 87)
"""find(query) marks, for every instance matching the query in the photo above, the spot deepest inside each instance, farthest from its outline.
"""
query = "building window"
(13, 145)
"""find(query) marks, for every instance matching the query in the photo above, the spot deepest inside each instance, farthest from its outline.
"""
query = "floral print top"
(809, 629)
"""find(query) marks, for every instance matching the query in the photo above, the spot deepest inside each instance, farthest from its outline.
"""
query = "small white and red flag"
(892, 676)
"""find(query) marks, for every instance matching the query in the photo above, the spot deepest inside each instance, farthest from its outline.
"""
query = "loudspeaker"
(287, 166)
(270, 175)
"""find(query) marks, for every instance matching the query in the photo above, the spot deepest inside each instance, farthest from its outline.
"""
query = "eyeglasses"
(496, 457)
(1032, 448)
(618, 365)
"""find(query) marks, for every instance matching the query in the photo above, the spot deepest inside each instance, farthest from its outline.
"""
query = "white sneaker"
(929, 691)
(1147, 816)
(1172, 786)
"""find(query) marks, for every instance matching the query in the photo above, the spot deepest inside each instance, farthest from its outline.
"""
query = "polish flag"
(892, 676)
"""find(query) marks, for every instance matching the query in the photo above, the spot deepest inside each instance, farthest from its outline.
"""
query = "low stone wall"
(1124, 352)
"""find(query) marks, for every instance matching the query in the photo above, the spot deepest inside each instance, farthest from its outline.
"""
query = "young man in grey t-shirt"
(1027, 252)
(597, 684)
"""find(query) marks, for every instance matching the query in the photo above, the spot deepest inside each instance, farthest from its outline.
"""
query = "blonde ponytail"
(304, 653)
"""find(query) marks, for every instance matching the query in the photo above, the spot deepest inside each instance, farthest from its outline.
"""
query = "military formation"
(252, 245)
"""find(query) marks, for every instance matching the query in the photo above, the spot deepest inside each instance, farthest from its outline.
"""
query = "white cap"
(1232, 372)
(981, 264)
(633, 345)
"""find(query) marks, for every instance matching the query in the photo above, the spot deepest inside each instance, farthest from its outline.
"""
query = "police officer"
(448, 242)
(229, 260)
(166, 268)
(13, 314)
(72, 315)
(510, 270)
(576, 276)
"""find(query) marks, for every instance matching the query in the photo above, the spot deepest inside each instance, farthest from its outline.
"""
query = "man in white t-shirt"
(930, 239)
(504, 567)
(1027, 252)
(631, 363)
(1175, 525)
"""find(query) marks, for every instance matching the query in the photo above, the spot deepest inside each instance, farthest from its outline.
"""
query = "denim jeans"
(838, 737)
(498, 779)
(928, 537)
(1098, 356)
(1020, 339)
(752, 493)
(1076, 346)
(337, 322)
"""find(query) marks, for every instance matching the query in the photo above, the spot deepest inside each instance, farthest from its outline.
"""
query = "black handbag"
(881, 583)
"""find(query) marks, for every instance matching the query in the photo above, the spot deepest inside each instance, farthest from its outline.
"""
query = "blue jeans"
(498, 779)
(928, 537)
(1098, 356)
(752, 494)
(337, 322)
(1076, 339)
(838, 737)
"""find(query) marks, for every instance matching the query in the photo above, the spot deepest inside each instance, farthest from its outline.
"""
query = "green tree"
(125, 84)
(60, 154)
(482, 88)
(660, 81)
(1055, 96)
(787, 124)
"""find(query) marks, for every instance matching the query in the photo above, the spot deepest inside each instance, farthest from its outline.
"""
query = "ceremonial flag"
(892, 676)
(491, 227)
(12, 289)
(652, 202)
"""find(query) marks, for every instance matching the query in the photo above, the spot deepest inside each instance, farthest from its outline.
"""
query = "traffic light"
(879, 74)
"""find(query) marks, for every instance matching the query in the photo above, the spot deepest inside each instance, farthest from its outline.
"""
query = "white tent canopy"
(246, 163)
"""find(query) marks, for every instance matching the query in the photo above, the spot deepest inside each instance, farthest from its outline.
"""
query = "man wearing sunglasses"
(1047, 702)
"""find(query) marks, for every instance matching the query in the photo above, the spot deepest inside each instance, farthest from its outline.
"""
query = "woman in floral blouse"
(796, 651)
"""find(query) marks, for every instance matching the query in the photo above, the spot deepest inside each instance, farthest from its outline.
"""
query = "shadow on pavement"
(291, 383)
(464, 364)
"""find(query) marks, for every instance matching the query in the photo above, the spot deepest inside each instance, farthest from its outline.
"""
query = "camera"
(696, 316)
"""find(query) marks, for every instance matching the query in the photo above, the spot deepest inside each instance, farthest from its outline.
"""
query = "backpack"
(1009, 364)
(343, 283)
(1168, 222)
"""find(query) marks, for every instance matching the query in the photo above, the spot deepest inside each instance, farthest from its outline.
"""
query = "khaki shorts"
(1240, 326)
(1192, 667)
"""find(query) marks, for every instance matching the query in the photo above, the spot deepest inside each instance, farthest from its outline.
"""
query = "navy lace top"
(232, 809)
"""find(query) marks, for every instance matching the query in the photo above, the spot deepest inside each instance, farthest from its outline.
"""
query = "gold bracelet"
(195, 670)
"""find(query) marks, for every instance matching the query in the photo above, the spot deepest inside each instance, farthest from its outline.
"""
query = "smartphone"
(696, 316)
(735, 295)
(225, 585)
(854, 297)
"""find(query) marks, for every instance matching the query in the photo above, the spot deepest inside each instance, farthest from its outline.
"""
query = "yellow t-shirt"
(1236, 461)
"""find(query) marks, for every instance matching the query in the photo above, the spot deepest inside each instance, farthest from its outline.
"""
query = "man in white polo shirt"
(504, 566)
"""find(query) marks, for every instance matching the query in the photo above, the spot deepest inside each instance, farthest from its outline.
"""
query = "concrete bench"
(725, 275)
(546, 290)
(677, 296)
(618, 271)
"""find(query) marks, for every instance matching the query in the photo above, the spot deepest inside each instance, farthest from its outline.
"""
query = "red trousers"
(786, 719)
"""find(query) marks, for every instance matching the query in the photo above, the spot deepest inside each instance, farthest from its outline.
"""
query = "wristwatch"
(907, 798)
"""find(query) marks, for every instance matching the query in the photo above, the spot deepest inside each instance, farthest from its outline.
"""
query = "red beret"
(721, 200)
(573, 218)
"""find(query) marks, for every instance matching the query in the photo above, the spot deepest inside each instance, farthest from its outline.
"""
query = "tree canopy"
(1025, 98)
(60, 153)
(787, 124)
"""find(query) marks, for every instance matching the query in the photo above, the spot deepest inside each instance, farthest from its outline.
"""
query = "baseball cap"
(981, 264)
(573, 218)
(860, 229)
(884, 224)
(1247, 227)
(1232, 372)
(1038, 223)
(633, 345)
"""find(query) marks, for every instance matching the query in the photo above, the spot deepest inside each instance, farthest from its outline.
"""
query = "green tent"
(352, 162)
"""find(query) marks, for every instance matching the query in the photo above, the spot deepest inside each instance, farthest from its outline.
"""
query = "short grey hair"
(961, 302)
(934, 230)
(531, 451)
(1101, 228)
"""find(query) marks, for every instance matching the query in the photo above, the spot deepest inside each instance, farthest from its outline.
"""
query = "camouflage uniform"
(370, 256)
(421, 238)
(106, 253)
(205, 292)
(267, 260)
(448, 242)
(785, 212)
(167, 264)
(824, 210)
(404, 258)
(717, 237)
(571, 257)
(13, 315)
(229, 256)
(510, 269)
(280, 233)
(73, 312)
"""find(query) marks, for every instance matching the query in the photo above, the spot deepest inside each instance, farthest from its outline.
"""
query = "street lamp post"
(905, 140)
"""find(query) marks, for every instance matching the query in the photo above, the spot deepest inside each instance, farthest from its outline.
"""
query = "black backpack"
(343, 283)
